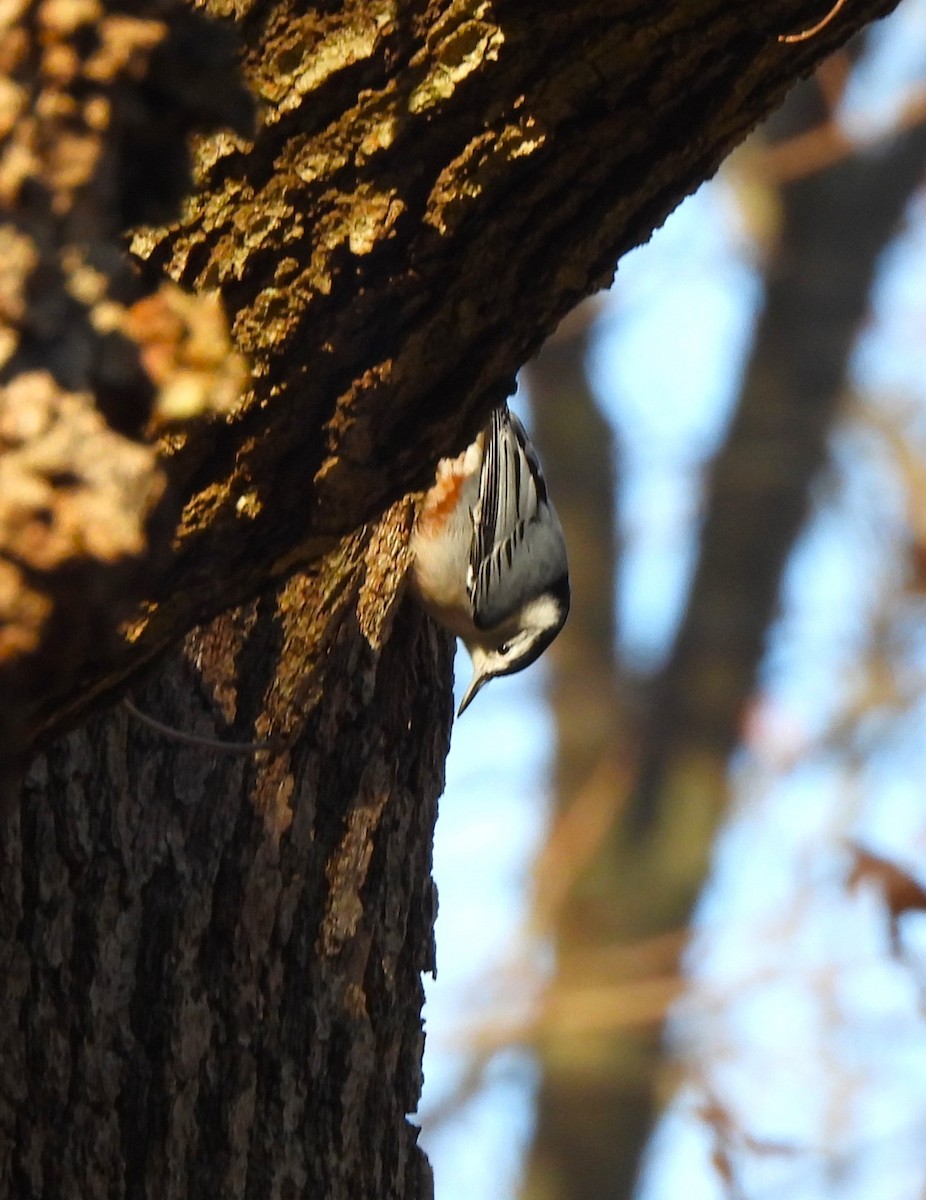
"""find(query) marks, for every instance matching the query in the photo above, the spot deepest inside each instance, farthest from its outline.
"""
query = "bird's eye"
(504, 648)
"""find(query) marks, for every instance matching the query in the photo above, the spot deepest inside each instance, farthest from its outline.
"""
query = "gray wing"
(517, 544)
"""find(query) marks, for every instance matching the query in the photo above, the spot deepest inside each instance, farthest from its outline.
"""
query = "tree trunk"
(631, 899)
(595, 1102)
(834, 226)
(212, 962)
(422, 193)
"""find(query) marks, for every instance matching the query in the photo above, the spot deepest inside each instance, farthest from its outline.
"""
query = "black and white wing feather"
(518, 548)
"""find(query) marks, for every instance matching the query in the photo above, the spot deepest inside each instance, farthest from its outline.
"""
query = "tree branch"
(428, 191)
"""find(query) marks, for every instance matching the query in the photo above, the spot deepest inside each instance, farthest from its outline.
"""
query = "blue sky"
(697, 277)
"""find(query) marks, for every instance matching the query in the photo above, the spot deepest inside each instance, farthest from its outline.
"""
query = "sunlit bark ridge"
(212, 967)
(423, 192)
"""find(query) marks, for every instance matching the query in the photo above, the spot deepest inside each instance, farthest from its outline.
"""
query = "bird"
(489, 558)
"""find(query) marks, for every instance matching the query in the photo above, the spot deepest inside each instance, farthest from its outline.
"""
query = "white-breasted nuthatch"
(489, 554)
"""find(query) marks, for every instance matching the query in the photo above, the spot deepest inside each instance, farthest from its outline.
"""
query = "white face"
(537, 616)
(515, 646)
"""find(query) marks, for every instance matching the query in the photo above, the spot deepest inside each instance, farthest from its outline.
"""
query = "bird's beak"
(475, 684)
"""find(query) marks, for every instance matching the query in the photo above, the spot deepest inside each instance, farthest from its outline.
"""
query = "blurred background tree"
(736, 440)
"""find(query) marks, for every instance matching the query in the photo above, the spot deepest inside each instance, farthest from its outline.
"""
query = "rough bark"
(95, 106)
(428, 190)
(212, 963)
